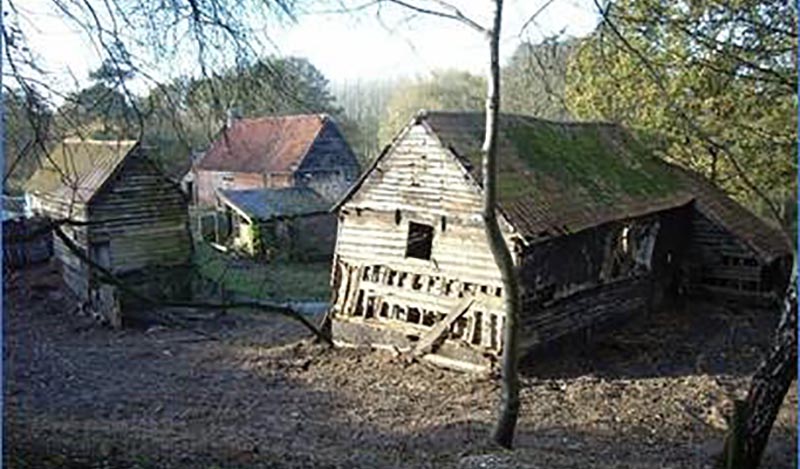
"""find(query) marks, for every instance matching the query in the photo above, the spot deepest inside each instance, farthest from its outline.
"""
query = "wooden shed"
(133, 217)
(599, 228)
(292, 223)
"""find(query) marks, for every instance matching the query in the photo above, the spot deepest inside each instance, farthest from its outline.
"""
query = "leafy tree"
(363, 105)
(27, 122)
(273, 86)
(102, 110)
(188, 113)
(534, 79)
(444, 90)
(715, 79)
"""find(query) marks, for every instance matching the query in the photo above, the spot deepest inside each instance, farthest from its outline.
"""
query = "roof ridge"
(76, 140)
(320, 116)
(426, 113)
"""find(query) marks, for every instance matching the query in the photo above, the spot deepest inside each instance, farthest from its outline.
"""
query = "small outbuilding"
(292, 223)
(126, 215)
(600, 230)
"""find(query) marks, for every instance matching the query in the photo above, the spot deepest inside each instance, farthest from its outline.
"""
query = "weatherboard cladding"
(263, 145)
(266, 204)
(129, 202)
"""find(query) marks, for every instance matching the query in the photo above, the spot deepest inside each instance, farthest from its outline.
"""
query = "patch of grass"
(280, 281)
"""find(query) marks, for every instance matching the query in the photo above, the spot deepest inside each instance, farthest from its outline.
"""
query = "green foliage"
(188, 113)
(256, 235)
(447, 90)
(111, 73)
(27, 125)
(723, 74)
(103, 110)
(534, 79)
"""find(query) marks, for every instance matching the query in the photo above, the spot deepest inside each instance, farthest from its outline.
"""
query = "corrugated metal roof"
(557, 178)
(266, 204)
(263, 145)
(76, 169)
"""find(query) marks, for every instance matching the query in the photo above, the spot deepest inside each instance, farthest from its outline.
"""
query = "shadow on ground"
(79, 396)
(699, 338)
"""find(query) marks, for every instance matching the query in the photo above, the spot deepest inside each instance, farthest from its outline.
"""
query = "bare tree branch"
(455, 14)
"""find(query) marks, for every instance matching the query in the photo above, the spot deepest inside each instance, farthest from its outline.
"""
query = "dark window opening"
(428, 319)
(370, 309)
(476, 335)
(413, 315)
(420, 241)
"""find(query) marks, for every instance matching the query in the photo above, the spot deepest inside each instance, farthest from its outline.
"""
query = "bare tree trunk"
(503, 433)
(754, 417)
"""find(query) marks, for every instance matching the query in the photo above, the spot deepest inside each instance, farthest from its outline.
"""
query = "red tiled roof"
(263, 145)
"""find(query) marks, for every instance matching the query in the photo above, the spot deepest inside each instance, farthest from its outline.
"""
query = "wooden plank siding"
(329, 167)
(74, 271)
(143, 216)
(420, 182)
(721, 264)
(388, 292)
(136, 219)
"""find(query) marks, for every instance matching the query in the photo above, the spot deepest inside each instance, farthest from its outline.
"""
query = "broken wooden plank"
(431, 340)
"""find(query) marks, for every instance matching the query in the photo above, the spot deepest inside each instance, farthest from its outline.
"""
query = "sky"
(346, 47)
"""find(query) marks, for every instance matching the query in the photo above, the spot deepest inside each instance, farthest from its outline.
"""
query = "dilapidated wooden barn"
(599, 228)
(129, 216)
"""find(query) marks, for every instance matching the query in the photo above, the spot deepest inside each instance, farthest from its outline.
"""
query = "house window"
(420, 240)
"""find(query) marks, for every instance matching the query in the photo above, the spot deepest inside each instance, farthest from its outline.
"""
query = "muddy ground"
(252, 392)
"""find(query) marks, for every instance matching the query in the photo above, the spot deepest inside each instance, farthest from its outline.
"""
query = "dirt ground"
(77, 395)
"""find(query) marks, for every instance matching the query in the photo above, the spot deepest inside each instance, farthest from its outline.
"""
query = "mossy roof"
(76, 169)
(556, 178)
